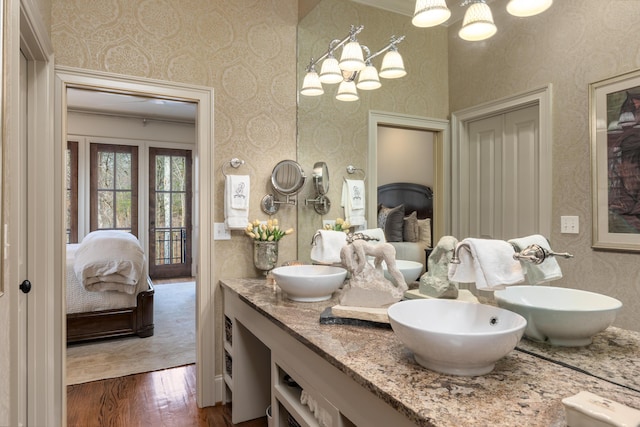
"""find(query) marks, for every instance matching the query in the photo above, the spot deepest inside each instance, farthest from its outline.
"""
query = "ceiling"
(115, 104)
(406, 7)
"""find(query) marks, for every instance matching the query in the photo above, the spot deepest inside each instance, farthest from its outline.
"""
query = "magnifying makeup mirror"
(287, 178)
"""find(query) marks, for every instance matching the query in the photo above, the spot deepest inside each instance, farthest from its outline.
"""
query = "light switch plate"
(569, 224)
(220, 231)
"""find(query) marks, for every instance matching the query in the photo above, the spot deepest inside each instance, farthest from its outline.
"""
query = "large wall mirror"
(337, 132)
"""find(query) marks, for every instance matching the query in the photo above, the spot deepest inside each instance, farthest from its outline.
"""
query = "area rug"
(172, 344)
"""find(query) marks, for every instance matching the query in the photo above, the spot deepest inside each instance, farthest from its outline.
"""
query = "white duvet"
(109, 260)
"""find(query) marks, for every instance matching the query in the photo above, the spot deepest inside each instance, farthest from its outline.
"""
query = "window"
(71, 199)
(114, 188)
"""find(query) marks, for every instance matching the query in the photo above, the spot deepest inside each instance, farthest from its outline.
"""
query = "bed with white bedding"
(108, 291)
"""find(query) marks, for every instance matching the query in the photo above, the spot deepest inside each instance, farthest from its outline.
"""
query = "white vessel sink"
(560, 316)
(410, 270)
(308, 283)
(456, 337)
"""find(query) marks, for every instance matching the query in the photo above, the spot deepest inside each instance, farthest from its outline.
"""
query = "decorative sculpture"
(435, 282)
(367, 285)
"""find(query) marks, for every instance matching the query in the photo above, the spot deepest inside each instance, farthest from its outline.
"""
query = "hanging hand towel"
(353, 201)
(487, 262)
(538, 273)
(327, 245)
(236, 201)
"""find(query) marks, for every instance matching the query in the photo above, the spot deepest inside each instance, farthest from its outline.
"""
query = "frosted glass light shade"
(330, 72)
(311, 85)
(347, 91)
(429, 13)
(524, 8)
(368, 79)
(352, 58)
(478, 23)
(392, 66)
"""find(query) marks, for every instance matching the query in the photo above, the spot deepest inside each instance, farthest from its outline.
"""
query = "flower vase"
(265, 255)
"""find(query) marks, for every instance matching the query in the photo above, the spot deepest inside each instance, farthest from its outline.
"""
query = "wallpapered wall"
(335, 131)
(574, 43)
(244, 49)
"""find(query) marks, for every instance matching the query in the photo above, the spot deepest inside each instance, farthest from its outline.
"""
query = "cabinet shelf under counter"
(371, 379)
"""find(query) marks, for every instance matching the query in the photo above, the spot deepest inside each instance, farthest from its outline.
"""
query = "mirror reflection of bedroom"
(405, 179)
(130, 276)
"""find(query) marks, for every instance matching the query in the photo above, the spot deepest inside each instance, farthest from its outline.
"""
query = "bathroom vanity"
(354, 375)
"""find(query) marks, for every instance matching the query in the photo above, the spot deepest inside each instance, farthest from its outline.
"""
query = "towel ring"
(235, 163)
(352, 169)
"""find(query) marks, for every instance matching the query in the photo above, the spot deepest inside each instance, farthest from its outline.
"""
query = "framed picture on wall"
(614, 107)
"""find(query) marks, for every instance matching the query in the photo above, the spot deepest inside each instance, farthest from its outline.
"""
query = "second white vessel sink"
(309, 283)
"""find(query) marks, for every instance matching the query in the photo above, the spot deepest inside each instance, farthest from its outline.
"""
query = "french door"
(170, 195)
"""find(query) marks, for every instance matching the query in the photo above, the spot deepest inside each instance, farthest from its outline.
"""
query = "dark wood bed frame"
(114, 323)
(415, 197)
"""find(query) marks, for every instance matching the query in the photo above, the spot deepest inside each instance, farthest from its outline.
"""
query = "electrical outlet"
(569, 224)
(220, 231)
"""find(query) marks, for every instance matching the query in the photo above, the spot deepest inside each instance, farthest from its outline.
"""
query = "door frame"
(203, 167)
(441, 187)
(34, 389)
(459, 138)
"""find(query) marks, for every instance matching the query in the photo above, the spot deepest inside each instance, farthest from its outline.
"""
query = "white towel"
(487, 262)
(327, 246)
(236, 201)
(353, 201)
(538, 273)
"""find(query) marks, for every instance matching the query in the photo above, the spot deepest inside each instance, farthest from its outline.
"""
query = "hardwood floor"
(162, 398)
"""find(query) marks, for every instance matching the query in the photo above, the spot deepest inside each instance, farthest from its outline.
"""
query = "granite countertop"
(523, 389)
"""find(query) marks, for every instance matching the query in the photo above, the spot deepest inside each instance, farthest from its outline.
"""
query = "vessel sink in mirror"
(309, 283)
(560, 316)
(456, 337)
(410, 270)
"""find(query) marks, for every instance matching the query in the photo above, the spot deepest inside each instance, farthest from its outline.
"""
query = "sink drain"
(493, 321)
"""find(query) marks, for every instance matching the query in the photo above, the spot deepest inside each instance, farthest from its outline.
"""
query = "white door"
(499, 176)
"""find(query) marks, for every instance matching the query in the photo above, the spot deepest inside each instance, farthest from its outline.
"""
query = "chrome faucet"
(455, 259)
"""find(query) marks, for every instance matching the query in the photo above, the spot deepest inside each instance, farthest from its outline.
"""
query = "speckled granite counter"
(522, 389)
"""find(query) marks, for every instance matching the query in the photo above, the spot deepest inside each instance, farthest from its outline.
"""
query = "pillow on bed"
(411, 229)
(424, 232)
(391, 220)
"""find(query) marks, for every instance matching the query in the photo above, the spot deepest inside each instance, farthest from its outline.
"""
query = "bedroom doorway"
(69, 78)
(440, 131)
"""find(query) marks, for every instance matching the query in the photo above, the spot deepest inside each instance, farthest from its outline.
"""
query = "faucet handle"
(536, 254)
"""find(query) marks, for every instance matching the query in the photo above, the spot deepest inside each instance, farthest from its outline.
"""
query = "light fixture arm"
(391, 46)
(335, 44)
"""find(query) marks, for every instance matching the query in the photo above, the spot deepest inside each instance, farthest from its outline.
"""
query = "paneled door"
(170, 194)
(499, 167)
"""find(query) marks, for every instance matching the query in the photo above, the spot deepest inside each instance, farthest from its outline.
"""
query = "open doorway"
(439, 131)
(202, 98)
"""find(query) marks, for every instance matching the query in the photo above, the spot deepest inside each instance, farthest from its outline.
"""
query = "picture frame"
(614, 108)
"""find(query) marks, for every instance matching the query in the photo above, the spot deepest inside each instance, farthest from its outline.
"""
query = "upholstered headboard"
(415, 197)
